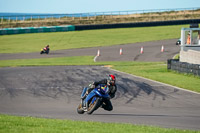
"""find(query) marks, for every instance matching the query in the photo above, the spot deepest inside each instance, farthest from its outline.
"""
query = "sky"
(85, 6)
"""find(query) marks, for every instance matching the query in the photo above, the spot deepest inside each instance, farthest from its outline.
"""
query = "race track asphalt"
(54, 92)
(131, 52)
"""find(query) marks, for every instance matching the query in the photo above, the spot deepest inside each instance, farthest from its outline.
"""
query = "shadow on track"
(131, 89)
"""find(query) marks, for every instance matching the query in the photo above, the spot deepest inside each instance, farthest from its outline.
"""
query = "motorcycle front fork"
(84, 105)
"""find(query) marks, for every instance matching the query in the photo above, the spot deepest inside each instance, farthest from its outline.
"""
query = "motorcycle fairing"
(96, 92)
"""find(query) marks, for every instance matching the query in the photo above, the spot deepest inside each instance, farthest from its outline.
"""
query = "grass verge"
(152, 70)
(25, 43)
(17, 124)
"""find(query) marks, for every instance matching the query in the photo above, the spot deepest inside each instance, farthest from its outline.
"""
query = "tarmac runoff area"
(54, 92)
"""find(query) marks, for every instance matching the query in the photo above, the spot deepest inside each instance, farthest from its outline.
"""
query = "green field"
(13, 124)
(25, 43)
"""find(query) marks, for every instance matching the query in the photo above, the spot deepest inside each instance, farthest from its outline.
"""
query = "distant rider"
(46, 48)
(110, 82)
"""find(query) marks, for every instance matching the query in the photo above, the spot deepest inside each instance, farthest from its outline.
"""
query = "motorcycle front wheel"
(80, 109)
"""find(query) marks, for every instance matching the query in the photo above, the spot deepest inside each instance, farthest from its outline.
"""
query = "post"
(193, 13)
(88, 18)
(182, 37)
(184, 14)
(169, 63)
(1, 20)
(176, 14)
(191, 37)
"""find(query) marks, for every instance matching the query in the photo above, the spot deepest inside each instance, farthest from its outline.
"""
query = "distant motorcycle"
(93, 100)
(178, 42)
(45, 50)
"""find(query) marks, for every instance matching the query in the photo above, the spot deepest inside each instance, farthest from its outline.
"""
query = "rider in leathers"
(110, 81)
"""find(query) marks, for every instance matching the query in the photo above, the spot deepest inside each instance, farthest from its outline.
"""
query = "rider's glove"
(92, 86)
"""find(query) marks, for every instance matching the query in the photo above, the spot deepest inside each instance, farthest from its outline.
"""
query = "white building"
(190, 45)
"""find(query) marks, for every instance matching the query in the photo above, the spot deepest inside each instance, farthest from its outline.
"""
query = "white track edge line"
(95, 58)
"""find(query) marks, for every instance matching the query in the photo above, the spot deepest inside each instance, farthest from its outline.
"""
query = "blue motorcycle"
(93, 100)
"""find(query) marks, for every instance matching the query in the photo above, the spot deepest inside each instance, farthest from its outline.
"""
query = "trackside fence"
(183, 67)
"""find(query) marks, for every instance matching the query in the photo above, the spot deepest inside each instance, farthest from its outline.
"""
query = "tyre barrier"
(183, 67)
(22, 30)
